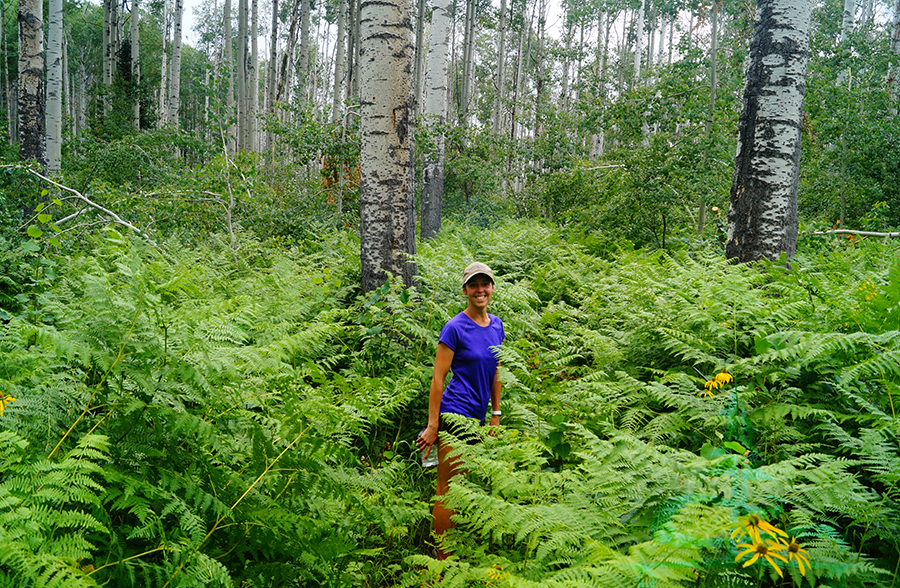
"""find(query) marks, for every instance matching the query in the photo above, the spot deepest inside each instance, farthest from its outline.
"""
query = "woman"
(468, 346)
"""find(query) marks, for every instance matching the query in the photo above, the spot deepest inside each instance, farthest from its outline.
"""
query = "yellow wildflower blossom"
(723, 378)
(4, 400)
(765, 549)
(796, 552)
(752, 525)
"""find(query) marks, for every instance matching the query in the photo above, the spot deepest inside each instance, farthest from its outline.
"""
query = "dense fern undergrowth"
(180, 416)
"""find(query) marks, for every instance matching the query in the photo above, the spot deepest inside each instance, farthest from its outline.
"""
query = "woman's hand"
(495, 422)
(428, 438)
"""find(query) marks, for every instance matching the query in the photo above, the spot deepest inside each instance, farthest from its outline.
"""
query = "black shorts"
(458, 430)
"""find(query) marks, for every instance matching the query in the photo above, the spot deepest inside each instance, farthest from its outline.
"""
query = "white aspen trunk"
(437, 93)
(174, 101)
(893, 81)
(164, 69)
(54, 86)
(420, 53)
(651, 41)
(353, 51)
(713, 84)
(338, 92)
(107, 43)
(7, 87)
(286, 58)
(638, 42)
(228, 72)
(500, 77)
(671, 39)
(762, 219)
(32, 133)
(304, 73)
(254, 76)
(68, 107)
(847, 22)
(468, 61)
(134, 29)
(81, 94)
(271, 75)
(564, 96)
(242, 107)
(387, 214)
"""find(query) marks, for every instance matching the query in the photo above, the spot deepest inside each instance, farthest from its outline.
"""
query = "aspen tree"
(174, 101)
(762, 219)
(54, 86)
(437, 93)
(387, 214)
(32, 130)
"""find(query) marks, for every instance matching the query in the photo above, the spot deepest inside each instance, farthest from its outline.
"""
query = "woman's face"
(479, 290)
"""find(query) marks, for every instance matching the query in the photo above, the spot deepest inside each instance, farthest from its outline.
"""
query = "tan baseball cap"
(475, 269)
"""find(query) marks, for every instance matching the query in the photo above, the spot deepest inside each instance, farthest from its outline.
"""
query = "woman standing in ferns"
(468, 346)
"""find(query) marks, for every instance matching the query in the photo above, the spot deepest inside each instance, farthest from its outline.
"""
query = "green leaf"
(54, 241)
(735, 446)
(44, 218)
(40, 206)
(57, 201)
(404, 296)
(710, 452)
(44, 193)
(31, 246)
(34, 232)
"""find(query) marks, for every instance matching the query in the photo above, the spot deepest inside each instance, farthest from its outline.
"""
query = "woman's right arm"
(442, 361)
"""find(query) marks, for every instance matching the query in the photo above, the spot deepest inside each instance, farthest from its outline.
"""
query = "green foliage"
(205, 416)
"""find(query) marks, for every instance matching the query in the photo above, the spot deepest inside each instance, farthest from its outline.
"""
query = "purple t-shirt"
(474, 364)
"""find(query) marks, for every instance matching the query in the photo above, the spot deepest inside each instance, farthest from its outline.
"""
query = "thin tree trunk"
(338, 93)
(107, 43)
(304, 74)
(134, 27)
(353, 50)
(7, 87)
(254, 76)
(54, 86)
(713, 83)
(387, 214)
(894, 82)
(468, 61)
(81, 94)
(288, 52)
(32, 132)
(500, 77)
(164, 69)
(271, 75)
(421, 7)
(437, 92)
(68, 106)
(762, 220)
(242, 94)
(847, 22)
(638, 42)
(174, 101)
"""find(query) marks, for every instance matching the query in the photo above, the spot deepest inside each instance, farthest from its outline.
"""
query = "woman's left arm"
(495, 398)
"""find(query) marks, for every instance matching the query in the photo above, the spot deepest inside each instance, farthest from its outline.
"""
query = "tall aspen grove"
(233, 231)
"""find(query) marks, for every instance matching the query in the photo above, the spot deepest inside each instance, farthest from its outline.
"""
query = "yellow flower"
(752, 525)
(798, 553)
(765, 549)
(723, 378)
(4, 400)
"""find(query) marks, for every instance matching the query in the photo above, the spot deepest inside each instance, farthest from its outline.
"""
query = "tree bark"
(847, 22)
(762, 219)
(32, 132)
(893, 80)
(437, 93)
(54, 86)
(134, 29)
(500, 77)
(713, 83)
(164, 69)
(338, 92)
(638, 42)
(421, 7)
(304, 51)
(286, 59)
(253, 75)
(387, 214)
(468, 61)
(174, 101)
(271, 73)
(242, 92)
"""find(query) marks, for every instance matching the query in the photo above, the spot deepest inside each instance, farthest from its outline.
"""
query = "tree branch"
(860, 233)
